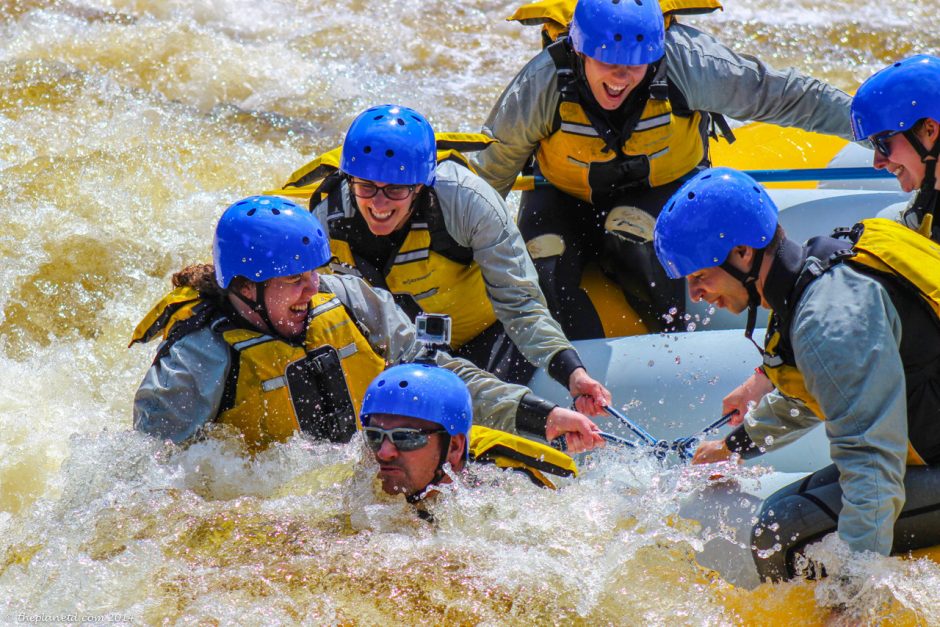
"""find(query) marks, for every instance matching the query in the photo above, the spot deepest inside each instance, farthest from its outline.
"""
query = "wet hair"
(779, 236)
(201, 277)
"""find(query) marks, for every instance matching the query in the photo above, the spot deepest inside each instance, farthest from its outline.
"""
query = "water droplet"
(662, 401)
(650, 363)
(652, 283)
(678, 360)
(673, 311)
(795, 412)
(690, 327)
(769, 440)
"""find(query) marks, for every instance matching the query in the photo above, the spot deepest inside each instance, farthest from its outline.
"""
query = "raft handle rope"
(684, 447)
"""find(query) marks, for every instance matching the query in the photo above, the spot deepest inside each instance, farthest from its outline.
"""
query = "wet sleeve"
(522, 117)
(846, 335)
(477, 217)
(181, 392)
(714, 78)
(776, 421)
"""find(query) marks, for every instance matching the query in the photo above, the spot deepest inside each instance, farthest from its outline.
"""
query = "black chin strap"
(256, 305)
(927, 197)
(749, 281)
(418, 495)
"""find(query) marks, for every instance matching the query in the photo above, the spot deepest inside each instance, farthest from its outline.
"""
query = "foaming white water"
(125, 128)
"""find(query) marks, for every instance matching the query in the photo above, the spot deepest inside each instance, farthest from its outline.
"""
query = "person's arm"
(477, 217)
(775, 422)
(714, 78)
(742, 399)
(522, 117)
(845, 338)
(181, 392)
(496, 404)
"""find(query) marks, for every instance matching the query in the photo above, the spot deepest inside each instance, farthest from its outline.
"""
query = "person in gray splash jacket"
(442, 241)
(615, 116)
(853, 340)
(260, 343)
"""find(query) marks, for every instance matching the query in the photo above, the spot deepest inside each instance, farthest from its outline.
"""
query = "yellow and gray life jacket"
(659, 142)
(275, 388)
(428, 271)
(506, 450)
(907, 265)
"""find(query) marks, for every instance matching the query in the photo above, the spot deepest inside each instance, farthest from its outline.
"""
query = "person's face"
(718, 288)
(407, 472)
(611, 84)
(383, 214)
(902, 160)
(287, 300)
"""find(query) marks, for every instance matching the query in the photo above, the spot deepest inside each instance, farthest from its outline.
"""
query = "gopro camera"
(433, 330)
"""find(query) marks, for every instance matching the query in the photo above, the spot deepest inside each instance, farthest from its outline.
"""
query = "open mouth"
(380, 216)
(614, 91)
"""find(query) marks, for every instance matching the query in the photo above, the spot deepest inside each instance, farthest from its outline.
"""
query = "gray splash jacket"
(846, 335)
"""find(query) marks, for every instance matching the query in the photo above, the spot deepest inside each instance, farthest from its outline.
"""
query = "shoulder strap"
(203, 314)
(441, 241)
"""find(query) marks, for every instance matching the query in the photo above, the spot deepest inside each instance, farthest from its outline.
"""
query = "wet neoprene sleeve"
(532, 414)
(563, 364)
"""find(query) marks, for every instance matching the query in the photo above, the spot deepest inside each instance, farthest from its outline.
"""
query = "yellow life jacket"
(274, 387)
(427, 272)
(908, 265)
(511, 451)
(555, 15)
(662, 148)
(588, 159)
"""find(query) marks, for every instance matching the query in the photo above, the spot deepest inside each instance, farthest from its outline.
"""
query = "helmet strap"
(927, 197)
(418, 495)
(749, 281)
(256, 305)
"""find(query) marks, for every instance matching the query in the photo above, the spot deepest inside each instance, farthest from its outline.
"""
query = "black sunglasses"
(392, 192)
(880, 142)
(403, 438)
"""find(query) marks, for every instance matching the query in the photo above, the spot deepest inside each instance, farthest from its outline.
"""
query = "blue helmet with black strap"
(620, 32)
(713, 212)
(896, 97)
(263, 237)
(390, 144)
(421, 391)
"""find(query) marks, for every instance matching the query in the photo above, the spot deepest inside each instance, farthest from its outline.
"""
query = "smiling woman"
(898, 111)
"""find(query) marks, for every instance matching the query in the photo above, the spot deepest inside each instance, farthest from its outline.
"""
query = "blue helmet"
(710, 214)
(622, 32)
(390, 144)
(895, 98)
(262, 237)
(421, 391)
